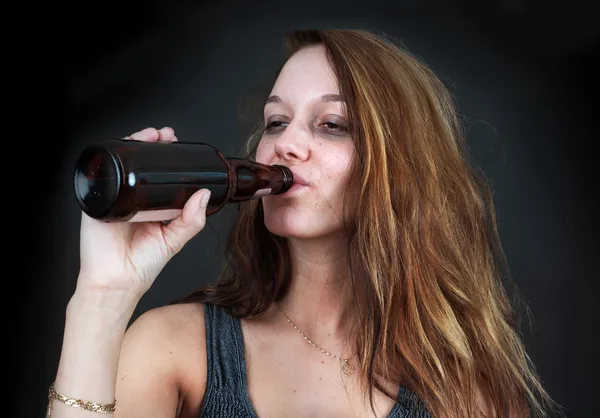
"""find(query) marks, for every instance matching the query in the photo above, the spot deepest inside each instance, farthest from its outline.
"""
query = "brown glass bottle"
(117, 180)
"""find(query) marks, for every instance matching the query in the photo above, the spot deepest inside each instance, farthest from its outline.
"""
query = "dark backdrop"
(524, 76)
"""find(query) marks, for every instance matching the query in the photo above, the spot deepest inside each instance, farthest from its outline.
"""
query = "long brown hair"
(429, 300)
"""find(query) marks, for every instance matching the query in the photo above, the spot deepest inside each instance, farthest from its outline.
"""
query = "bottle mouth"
(288, 178)
(96, 179)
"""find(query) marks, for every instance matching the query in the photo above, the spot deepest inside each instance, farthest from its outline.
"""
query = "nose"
(293, 144)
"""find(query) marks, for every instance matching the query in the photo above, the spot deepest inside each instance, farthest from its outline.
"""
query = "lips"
(299, 183)
(298, 179)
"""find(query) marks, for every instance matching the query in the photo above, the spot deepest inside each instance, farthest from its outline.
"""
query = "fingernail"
(204, 201)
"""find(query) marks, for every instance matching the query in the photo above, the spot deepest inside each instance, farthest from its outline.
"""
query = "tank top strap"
(227, 387)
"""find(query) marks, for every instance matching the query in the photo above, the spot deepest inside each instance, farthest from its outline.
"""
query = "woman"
(371, 289)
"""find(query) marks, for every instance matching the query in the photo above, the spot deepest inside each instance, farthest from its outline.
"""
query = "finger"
(148, 135)
(191, 221)
(166, 134)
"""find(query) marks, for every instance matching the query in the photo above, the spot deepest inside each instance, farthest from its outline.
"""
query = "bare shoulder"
(163, 361)
(175, 320)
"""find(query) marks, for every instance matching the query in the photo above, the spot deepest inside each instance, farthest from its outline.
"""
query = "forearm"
(94, 329)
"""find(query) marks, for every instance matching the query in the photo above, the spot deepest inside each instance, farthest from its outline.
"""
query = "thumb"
(191, 221)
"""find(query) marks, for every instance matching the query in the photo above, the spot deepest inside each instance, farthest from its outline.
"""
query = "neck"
(314, 301)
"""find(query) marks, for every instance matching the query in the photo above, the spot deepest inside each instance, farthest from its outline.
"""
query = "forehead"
(306, 73)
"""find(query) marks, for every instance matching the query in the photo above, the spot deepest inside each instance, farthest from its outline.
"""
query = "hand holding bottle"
(128, 256)
(126, 188)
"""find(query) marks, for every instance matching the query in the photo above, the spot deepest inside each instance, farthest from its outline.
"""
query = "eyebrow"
(325, 98)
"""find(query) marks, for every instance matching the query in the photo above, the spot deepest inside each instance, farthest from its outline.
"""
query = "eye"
(334, 127)
(275, 126)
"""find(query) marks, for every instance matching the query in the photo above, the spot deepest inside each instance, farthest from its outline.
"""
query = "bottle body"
(118, 180)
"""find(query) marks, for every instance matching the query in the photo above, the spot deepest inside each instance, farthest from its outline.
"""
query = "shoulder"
(164, 350)
(175, 333)
(179, 326)
(172, 321)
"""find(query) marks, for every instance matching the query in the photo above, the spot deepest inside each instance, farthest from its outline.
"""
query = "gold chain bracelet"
(78, 403)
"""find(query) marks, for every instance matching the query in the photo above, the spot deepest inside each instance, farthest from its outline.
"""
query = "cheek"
(263, 152)
(337, 177)
(338, 167)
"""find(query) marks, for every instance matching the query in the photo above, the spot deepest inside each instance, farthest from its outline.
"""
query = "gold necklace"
(345, 365)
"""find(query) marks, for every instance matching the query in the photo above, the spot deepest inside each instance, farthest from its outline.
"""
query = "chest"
(287, 377)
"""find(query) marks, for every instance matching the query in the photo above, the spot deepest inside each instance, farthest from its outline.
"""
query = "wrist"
(97, 293)
(101, 306)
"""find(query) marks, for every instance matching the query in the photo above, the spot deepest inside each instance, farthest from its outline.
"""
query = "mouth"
(299, 183)
(298, 179)
(295, 186)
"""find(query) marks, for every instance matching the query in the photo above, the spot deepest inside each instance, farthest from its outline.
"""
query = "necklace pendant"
(347, 368)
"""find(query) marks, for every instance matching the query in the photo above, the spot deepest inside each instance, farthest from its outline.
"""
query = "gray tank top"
(227, 387)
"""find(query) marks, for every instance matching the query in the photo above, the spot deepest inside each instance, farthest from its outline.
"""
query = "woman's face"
(306, 130)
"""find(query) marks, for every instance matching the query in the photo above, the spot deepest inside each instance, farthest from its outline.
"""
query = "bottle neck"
(255, 180)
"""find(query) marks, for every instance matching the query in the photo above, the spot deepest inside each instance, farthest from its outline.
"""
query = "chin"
(289, 222)
(289, 226)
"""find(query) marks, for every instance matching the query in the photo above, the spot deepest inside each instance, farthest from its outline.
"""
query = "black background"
(524, 74)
